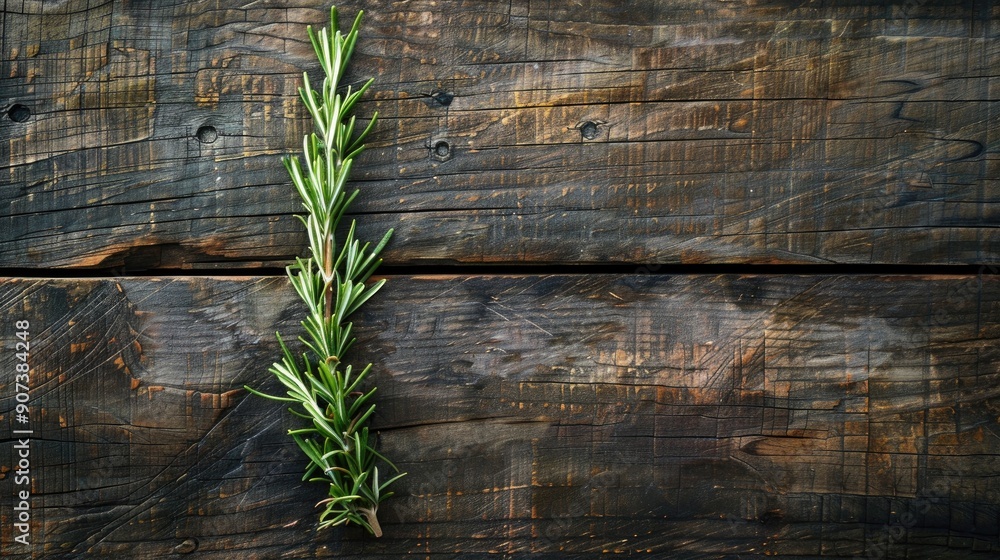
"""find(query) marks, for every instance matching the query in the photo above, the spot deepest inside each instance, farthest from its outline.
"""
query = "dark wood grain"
(686, 416)
(528, 131)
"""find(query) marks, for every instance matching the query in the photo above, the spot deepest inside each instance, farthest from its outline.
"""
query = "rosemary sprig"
(331, 282)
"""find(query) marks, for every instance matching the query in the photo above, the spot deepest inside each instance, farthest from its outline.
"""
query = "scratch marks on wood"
(755, 133)
(534, 411)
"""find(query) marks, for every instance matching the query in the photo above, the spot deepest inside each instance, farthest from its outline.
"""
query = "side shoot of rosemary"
(329, 394)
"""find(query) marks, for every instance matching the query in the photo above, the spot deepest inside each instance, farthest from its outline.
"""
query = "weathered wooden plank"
(523, 131)
(701, 416)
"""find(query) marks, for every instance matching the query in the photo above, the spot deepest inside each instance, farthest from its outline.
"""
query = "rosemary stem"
(328, 276)
(372, 519)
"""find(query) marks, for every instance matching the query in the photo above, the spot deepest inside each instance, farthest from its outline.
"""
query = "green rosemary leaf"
(335, 18)
(272, 397)
(352, 97)
(350, 41)
(353, 387)
(364, 296)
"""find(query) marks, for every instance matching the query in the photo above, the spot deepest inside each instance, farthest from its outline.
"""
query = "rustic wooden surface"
(791, 416)
(145, 135)
(684, 416)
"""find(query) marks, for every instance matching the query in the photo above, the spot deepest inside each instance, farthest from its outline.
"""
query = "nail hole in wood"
(589, 130)
(207, 134)
(442, 150)
(19, 113)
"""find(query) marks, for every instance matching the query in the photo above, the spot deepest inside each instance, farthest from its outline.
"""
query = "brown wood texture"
(791, 416)
(524, 131)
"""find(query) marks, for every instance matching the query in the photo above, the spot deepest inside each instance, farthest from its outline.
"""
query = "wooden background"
(678, 279)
